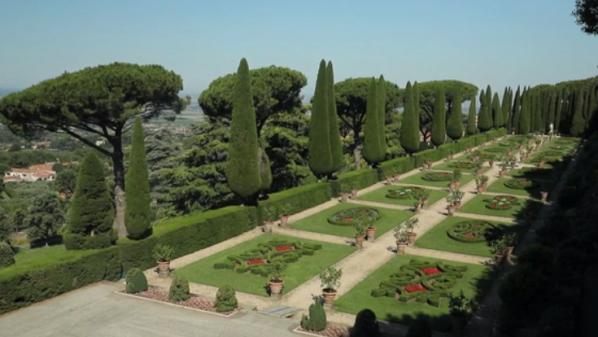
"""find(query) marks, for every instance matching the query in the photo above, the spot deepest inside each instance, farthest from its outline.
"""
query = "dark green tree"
(439, 120)
(137, 212)
(454, 127)
(336, 148)
(586, 15)
(512, 123)
(65, 181)
(497, 111)
(485, 116)
(91, 213)
(523, 126)
(373, 150)
(410, 139)
(6, 227)
(578, 123)
(381, 105)
(472, 127)
(243, 167)
(44, 219)
(320, 154)
(506, 106)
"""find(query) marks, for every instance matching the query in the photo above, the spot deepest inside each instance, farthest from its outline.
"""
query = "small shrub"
(316, 321)
(7, 255)
(162, 252)
(179, 289)
(366, 324)
(226, 300)
(136, 281)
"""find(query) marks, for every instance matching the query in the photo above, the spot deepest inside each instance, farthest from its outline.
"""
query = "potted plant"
(276, 281)
(344, 197)
(401, 238)
(359, 234)
(284, 220)
(163, 254)
(330, 279)
(454, 198)
(481, 181)
(267, 226)
(410, 226)
(456, 180)
(421, 197)
(370, 232)
(460, 307)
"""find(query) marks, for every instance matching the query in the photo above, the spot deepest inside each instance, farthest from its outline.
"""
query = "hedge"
(294, 200)
(354, 180)
(421, 157)
(397, 166)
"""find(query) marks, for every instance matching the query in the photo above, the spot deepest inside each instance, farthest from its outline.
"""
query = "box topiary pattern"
(179, 289)
(226, 301)
(136, 281)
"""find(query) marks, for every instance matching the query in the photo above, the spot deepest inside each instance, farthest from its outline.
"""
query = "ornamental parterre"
(437, 176)
(502, 202)
(404, 192)
(353, 216)
(421, 282)
(261, 260)
(464, 165)
(519, 183)
(472, 231)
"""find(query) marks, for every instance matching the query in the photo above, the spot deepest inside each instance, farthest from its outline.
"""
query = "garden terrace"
(401, 195)
(434, 178)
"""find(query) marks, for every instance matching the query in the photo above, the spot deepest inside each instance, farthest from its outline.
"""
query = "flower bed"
(502, 202)
(421, 282)
(464, 165)
(437, 176)
(261, 261)
(519, 183)
(403, 192)
(470, 231)
(352, 216)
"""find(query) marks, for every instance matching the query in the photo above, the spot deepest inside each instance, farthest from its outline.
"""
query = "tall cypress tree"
(506, 105)
(485, 117)
(577, 120)
(372, 143)
(454, 128)
(496, 112)
(551, 110)
(439, 119)
(524, 114)
(515, 110)
(538, 120)
(472, 128)
(336, 148)
(320, 155)
(91, 213)
(137, 194)
(410, 123)
(381, 105)
(242, 170)
(558, 111)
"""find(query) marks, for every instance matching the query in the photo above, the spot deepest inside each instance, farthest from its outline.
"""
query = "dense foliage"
(439, 120)
(44, 220)
(410, 136)
(374, 144)
(137, 213)
(135, 281)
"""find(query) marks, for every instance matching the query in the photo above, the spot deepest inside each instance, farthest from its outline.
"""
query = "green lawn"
(477, 205)
(417, 180)
(438, 239)
(499, 187)
(379, 195)
(390, 309)
(446, 166)
(319, 222)
(296, 273)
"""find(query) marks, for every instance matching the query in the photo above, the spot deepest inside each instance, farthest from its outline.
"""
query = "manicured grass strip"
(499, 187)
(477, 205)
(296, 273)
(446, 166)
(417, 180)
(319, 222)
(390, 309)
(379, 195)
(438, 239)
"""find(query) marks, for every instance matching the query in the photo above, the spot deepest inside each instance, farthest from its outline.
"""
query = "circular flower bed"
(470, 231)
(403, 192)
(519, 183)
(437, 176)
(352, 216)
(464, 165)
(502, 202)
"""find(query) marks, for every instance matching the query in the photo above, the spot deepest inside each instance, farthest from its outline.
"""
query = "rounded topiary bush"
(7, 255)
(226, 300)
(316, 321)
(179, 289)
(136, 281)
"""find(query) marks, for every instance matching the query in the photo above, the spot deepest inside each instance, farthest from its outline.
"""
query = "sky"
(506, 42)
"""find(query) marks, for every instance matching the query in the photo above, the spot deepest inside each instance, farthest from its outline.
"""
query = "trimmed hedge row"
(293, 200)
(354, 180)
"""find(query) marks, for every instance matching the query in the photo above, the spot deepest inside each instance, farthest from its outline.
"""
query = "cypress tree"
(515, 110)
(381, 92)
(496, 111)
(372, 144)
(242, 169)
(524, 114)
(410, 123)
(439, 120)
(137, 193)
(538, 120)
(91, 213)
(454, 128)
(551, 110)
(265, 170)
(485, 117)
(505, 106)
(336, 149)
(472, 128)
(558, 111)
(577, 121)
(320, 155)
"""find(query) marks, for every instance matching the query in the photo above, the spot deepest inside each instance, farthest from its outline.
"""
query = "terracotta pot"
(481, 189)
(544, 196)
(267, 227)
(284, 220)
(411, 236)
(329, 296)
(371, 233)
(275, 287)
(163, 268)
(401, 247)
(456, 184)
(502, 172)
(359, 241)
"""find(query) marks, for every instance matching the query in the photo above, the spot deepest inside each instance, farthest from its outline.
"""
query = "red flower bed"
(284, 248)
(411, 288)
(255, 262)
(431, 271)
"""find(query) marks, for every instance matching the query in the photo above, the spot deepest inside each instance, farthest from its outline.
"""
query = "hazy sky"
(506, 42)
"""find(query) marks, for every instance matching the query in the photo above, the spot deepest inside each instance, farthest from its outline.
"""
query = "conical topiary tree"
(577, 120)
(454, 127)
(439, 119)
(496, 111)
(410, 123)
(381, 106)
(372, 143)
(523, 126)
(336, 148)
(320, 156)
(137, 194)
(91, 213)
(485, 117)
(515, 110)
(242, 168)
(265, 170)
(472, 127)
(505, 106)
(558, 111)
